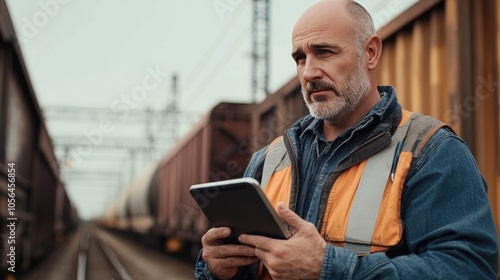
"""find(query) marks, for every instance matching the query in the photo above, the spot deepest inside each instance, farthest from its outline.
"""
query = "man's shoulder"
(422, 131)
(443, 141)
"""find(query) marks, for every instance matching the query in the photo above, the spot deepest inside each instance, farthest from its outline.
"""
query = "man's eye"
(299, 58)
(324, 52)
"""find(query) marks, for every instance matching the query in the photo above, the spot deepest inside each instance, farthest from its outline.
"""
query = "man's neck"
(332, 129)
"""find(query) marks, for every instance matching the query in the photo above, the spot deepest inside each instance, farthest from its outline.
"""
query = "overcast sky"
(100, 53)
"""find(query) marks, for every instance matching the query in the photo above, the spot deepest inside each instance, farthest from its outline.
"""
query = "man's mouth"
(320, 91)
(320, 88)
(320, 95)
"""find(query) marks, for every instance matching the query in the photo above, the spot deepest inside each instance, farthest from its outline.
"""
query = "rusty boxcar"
(33, 200)
(217, 148)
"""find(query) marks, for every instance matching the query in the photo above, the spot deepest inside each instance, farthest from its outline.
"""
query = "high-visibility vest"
(363, 208)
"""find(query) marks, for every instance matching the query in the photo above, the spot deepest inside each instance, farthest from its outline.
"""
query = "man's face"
(331, 69)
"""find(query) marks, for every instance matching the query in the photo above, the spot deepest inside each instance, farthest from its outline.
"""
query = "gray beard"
(336, 110)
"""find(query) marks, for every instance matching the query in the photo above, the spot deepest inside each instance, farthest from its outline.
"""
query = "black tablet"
(241, 205)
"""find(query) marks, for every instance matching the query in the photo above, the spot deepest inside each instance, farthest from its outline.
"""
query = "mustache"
(321, 85)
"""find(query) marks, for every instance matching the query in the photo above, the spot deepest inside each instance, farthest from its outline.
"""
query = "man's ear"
(373, 49)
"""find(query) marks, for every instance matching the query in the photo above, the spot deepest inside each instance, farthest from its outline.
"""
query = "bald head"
(342, 13)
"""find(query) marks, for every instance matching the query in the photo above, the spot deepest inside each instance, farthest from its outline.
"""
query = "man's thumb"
(288, 216)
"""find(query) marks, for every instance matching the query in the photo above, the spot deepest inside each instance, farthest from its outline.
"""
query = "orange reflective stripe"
(279, 187)
(339, 203)
(388, 228)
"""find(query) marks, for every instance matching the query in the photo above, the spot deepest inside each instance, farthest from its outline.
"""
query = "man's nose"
(312, 71)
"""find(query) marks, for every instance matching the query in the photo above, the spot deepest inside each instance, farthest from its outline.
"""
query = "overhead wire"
(202, 64)
(219, 65)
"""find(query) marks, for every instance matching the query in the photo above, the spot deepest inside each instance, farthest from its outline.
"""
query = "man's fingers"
(256, 241)
(235, 250)
(213, 236)
(232, 262)
(289, 217)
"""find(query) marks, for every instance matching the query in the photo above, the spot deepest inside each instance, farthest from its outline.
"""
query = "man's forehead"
(310, 36)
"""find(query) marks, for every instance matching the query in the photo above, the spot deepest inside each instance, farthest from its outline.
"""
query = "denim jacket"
(449, 230)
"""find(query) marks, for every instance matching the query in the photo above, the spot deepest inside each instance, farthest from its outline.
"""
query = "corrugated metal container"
(42, 204)
(65, 218)
(443, 57)
(19, 139)
(25, 144)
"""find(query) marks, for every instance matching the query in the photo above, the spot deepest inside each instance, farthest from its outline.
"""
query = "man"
(431, 218)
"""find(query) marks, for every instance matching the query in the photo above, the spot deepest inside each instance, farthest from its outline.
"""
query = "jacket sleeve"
(449, 227)
(203, 273)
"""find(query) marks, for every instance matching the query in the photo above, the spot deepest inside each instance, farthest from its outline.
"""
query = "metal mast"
(260, 50)
(172, 110)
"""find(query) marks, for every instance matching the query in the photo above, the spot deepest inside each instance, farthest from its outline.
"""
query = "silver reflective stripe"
(368, 197)
(274, 162)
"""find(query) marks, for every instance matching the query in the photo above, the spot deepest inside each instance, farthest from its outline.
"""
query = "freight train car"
(33, 201)
(216, 149)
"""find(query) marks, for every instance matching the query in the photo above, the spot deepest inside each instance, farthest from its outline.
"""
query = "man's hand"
(223, 260)
(299, 257)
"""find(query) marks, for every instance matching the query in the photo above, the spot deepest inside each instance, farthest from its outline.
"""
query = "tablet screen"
(241, 205)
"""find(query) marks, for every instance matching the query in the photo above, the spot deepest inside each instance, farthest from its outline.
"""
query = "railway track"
(92, 253)
(96, 260)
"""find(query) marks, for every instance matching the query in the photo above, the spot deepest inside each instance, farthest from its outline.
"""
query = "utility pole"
(132, 164)
(173, 107)
(260, 49)
(149, 133)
